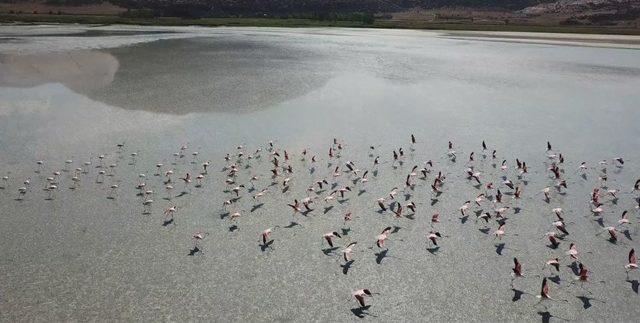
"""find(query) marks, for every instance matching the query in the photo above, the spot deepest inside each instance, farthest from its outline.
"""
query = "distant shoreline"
(280, 22)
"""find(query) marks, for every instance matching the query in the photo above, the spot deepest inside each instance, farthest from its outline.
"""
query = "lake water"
(74, 92)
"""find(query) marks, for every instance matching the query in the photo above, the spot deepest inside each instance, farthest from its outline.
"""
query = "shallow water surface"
(74, 92)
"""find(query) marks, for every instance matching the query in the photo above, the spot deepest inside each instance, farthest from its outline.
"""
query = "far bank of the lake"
(291, 22)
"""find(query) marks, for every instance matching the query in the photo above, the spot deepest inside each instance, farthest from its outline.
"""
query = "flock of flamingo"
(500, 185)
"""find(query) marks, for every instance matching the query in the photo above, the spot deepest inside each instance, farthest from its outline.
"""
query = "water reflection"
(209, 75)
(80, 71)
(246, 70)
(176, 76)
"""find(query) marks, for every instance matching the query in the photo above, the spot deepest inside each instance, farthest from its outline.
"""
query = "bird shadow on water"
(291, 225)
(256, 207)
(555, 279)
(546, 317)
(194, 251)
(517, 295)
(500, 248)
(586, 301)
(634, 285)
(381, 255)
(574, 268)
(433, 250)
(327, 209)
(233, 228)
(265, 246)
(361, 312)
(329, 251)
(347, 265)
(167, 223)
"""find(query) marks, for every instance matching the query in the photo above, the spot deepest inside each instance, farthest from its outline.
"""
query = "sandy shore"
(610, 41)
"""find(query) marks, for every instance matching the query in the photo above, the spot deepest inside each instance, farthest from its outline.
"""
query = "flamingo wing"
(360, 299)
(544, 292)
(329, 241)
